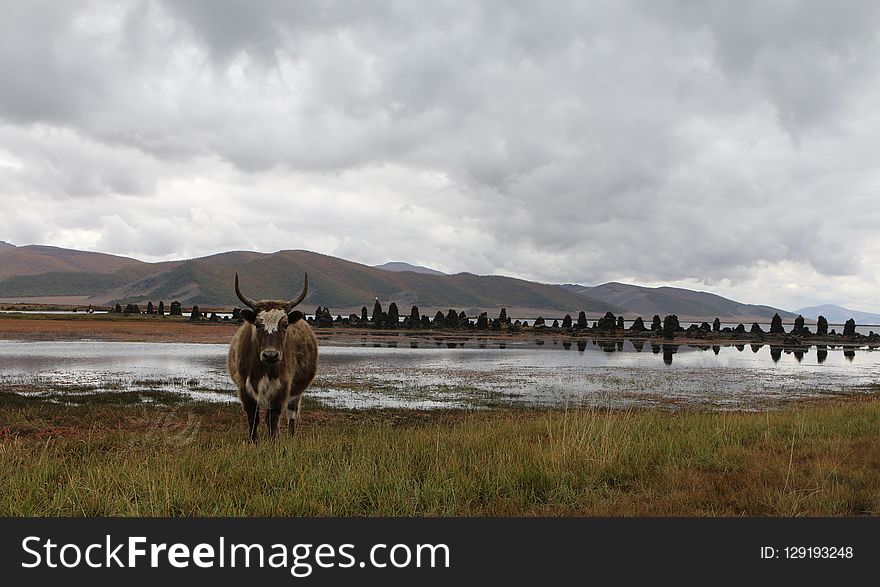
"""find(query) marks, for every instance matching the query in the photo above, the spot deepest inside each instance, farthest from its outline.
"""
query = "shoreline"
(146, 328)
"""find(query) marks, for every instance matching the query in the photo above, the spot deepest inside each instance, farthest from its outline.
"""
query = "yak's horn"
(247, 301)
(292, 303)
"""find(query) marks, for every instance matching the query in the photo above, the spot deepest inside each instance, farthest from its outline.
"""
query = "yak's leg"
(253, 415)
(272, 416)
(293, 412)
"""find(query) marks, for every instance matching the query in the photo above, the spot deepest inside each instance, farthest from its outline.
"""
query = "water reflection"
(668, 351)
(360, 375)
(739, 347)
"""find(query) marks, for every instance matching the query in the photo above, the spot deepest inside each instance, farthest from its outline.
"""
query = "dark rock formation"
(393, 316)
(607, 322)
(150, 308)
(849, 328)
(161, 311)
(670, 326)
(175, 309)
(195, 314)
(638, 325)
(620, 322)
(376, 318)
(716, 325)
(822, 327)
(656, 325)
(415, 319)
(756, 328)
(776, 325)
(566, 322)
(582, 320)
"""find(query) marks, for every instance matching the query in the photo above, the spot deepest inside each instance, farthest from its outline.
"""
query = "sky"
(730, 147)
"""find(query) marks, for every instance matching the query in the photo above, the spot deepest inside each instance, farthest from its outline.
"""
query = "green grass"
(192, 460)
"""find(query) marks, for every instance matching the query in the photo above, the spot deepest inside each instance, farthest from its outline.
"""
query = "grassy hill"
(647, 301)
(39, 259)
(343, 286)
(335, 283)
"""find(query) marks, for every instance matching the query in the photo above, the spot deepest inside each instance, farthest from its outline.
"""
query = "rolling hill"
(31, 273)
(341, 285)
(838, 315)
(687, 304)
(401, 266)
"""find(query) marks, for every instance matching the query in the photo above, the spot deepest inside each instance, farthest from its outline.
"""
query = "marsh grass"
(191, 460)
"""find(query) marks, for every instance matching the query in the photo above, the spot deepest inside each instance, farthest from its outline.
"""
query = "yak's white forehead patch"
(270, 319)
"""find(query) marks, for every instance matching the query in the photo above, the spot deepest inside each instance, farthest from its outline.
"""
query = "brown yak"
(272, 359)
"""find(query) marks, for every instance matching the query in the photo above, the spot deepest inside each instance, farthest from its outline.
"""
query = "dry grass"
(817, 460)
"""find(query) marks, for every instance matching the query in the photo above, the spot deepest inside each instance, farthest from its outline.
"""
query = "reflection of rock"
(740, 347)
(716, 349)
(821, 351)
(608, 345)
(668, 351)
(849, 353)
(638, 345)
(799, 355)
(619, 345)
(775, 353)
(655, 348)
(756, 347)
(582, 345)
(566, 344)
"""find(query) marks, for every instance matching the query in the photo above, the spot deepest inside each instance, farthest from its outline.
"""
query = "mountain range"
(838, 315)
(37, 273)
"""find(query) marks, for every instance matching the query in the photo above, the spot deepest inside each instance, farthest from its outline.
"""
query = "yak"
(272, 359)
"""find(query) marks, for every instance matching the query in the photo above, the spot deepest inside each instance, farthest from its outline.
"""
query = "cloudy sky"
(725, 146)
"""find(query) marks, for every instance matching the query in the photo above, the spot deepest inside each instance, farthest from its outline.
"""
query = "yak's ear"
(294, 317)
(248, 315)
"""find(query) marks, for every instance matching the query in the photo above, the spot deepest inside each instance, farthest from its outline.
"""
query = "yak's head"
(271, 320)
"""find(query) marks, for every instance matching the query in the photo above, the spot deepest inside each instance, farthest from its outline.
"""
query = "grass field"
(189, 459)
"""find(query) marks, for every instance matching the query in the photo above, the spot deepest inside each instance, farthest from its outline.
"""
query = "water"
(604, 373)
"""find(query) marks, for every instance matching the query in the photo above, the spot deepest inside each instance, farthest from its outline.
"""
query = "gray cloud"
(715, 143)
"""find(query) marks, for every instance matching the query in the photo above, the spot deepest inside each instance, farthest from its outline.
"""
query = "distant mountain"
(341, 285)
(38, 259)
(6, 245)
(838, 315)
(687, 304)
(401, 266)
(29, 273)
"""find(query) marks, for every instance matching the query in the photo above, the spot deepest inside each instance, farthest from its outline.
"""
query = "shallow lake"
(603, 373)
